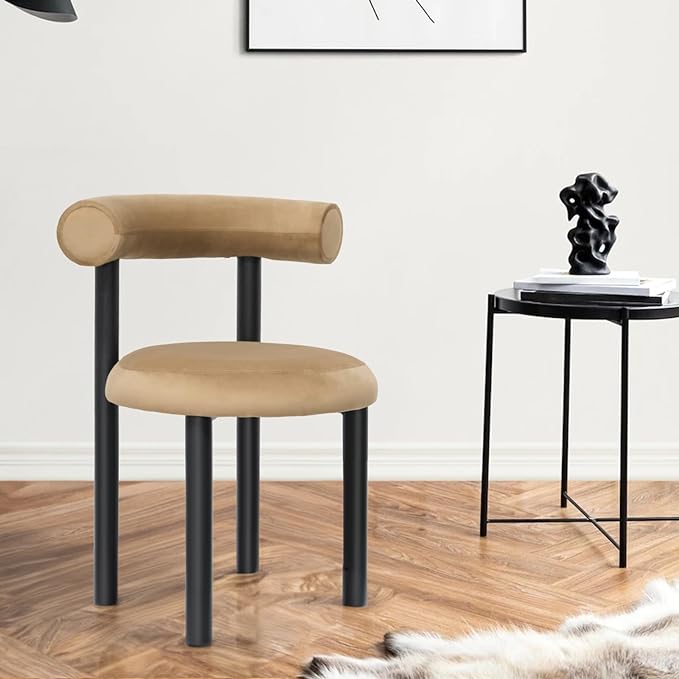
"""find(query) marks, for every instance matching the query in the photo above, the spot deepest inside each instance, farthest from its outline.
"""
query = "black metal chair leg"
(198, 531)
(624, 417)
(248, 329)
(566, 411)
(355, 454)
(485, 469)
(105, 437)
(247, 494)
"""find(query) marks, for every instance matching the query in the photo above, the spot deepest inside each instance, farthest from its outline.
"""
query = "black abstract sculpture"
(52, 10)
(594, 235)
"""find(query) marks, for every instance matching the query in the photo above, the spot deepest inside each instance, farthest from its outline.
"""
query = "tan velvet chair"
(246, 379)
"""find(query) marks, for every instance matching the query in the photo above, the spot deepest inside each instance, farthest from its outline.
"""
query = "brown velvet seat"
(246, 379)
(240, 379)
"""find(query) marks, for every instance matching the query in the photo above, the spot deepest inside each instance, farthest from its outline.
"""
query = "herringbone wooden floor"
(428, 569)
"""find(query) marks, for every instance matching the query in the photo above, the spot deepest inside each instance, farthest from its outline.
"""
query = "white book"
(647, 287)
(561, 277)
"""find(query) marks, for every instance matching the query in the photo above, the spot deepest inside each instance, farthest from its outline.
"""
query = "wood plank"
(428, 570)
(19, 660)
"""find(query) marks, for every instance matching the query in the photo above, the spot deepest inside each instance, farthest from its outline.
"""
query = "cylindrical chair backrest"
(100, 230)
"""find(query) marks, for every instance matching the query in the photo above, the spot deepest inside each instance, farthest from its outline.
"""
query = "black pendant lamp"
(52, 10)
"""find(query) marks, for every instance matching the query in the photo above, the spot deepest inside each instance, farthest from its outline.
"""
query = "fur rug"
(642, 643)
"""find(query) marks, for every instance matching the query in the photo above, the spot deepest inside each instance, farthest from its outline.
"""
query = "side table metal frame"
(623, 320)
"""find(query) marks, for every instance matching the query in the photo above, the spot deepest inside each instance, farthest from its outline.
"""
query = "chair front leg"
(355, 454)
(105, 437)
(198, 531)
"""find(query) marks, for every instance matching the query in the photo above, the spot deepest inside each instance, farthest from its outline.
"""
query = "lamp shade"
(52, 10)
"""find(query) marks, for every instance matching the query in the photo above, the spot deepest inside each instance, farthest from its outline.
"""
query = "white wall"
(447, 168)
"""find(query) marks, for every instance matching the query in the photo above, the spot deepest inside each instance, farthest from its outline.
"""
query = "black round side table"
(509, 302)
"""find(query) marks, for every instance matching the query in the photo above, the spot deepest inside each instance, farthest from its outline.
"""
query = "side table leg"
(566, 410)
(485, 469)
(624, 416)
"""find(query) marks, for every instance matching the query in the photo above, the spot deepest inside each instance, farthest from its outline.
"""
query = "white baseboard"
(308, 461)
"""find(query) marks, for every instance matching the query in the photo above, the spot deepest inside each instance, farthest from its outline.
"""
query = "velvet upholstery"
(100, 230)
(240, 379)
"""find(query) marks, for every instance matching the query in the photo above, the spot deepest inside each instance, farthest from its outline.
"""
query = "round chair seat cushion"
(240, 379)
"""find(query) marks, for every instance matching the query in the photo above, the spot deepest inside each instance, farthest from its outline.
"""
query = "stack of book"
(617, 288)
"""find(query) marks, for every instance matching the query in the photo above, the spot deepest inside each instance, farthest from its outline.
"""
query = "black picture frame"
(316, 50)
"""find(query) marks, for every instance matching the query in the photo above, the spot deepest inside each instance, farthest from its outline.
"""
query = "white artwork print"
(387, 24)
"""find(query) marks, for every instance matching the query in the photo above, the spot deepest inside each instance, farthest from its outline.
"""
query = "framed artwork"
(387, 25)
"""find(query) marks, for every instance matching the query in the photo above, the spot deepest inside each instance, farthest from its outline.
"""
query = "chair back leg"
(355, 455)
(247, 494)
(248, 329)
(198, 531)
